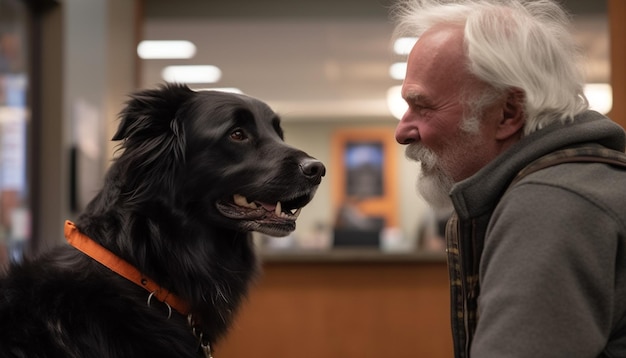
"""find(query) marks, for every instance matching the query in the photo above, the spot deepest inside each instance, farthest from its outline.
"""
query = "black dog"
(199, 171)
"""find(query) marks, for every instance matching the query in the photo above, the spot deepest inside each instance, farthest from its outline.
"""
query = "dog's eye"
(238, 135)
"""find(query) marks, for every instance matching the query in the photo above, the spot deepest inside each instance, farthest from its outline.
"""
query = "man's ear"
(513, 116)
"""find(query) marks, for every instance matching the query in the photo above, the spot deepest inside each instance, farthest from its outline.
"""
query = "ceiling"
(312, 60)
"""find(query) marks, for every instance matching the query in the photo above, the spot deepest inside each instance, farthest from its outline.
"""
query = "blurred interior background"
(364, 274)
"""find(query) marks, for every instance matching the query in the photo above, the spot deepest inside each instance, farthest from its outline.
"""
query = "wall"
(617, 9)
(89, 52)
(315, 138)
(49, 185)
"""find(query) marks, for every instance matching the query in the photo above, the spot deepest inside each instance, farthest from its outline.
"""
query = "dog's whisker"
(219, 294)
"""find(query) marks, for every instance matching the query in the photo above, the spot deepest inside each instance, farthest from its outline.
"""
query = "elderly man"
(499, 122)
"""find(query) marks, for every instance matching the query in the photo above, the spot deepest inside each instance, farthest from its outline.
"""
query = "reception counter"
(343, 304)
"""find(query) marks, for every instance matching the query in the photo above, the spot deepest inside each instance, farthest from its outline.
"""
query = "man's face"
(449, 146)
(435, 182)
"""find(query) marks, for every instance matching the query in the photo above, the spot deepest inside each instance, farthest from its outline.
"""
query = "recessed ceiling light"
(403, 45)
(600, 96)
(169, 49)
(219, 89)
(397, 71)
(396, 104)
(192, 74)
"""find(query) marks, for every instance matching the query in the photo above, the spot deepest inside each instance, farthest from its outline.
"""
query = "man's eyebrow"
(414, 96)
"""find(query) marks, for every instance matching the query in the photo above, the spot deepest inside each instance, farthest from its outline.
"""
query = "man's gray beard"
(433, 184)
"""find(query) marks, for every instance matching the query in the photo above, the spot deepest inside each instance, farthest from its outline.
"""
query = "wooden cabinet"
(343, 309)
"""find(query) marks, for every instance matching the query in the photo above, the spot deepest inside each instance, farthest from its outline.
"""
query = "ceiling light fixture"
(403, 45)
(168, 49)
(600, 96)
(397, 71)
(192, 74)
(396, 104)
(219, 89)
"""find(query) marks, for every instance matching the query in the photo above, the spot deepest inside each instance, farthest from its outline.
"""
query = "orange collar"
(122, 268)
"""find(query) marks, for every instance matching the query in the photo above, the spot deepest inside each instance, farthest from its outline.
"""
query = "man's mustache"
(419, 153)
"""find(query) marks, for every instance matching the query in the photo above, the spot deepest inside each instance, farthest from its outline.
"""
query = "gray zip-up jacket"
(541, 270)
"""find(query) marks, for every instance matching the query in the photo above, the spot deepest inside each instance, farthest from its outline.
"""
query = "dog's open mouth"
(275, 219)
(254, 210)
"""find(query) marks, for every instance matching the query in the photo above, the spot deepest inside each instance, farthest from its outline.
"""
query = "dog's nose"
(313, 169)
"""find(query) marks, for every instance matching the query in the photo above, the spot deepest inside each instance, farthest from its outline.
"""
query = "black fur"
(167, 208)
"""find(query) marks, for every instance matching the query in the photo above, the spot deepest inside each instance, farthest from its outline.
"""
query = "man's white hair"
(511, 44)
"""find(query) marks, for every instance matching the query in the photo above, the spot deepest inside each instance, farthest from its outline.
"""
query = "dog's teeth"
(242, 201)
(278, 209)
(297, 213)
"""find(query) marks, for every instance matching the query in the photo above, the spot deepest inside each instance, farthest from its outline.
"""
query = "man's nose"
(406, 131)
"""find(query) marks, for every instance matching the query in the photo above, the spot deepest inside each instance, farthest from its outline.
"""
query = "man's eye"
(419, 108)
(238, 135)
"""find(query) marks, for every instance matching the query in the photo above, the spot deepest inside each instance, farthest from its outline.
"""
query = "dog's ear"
(153, 138)
(151, 112)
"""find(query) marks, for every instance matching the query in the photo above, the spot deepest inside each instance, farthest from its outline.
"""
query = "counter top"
(351, 255)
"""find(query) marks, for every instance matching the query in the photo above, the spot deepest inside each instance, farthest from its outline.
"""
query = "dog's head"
(214, 157)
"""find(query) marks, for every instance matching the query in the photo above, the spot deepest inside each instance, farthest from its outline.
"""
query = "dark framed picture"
(364, 163)
(363, 174)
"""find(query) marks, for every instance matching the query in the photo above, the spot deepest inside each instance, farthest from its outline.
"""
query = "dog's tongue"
(268, 206)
